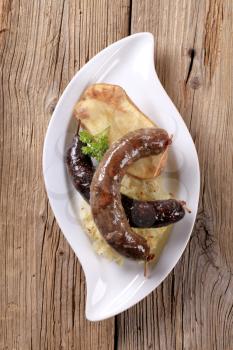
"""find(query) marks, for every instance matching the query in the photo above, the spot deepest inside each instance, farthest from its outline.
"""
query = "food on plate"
(106, 106)
(94, 146)
(156, 213)
(140, 213)
(80, 166)
(105, 198)
(156, 237)
(125, 212)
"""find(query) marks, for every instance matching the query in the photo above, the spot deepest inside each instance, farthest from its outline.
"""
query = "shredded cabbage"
(138, 189)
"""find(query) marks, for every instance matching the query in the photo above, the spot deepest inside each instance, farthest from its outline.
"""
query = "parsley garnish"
(95, 146)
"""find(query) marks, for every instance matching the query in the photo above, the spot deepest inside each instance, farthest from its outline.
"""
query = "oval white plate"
(130, 64)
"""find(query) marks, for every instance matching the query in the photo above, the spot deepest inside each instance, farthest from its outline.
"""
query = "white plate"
(130, 64)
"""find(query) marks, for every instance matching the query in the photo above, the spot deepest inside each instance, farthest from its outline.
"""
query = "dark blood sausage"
(80, 167)
(105, 197)
(146, 214)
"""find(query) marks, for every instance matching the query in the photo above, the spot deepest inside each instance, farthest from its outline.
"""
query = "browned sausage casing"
(105, 198)
(146, 214)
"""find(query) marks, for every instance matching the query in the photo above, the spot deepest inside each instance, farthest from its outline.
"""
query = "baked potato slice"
(106, 106)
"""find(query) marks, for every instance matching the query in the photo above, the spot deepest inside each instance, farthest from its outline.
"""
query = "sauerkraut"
(138, 189)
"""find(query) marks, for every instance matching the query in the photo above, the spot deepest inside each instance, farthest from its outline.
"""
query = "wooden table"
(42, 44)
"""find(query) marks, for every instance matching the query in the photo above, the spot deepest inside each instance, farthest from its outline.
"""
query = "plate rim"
(46, 140)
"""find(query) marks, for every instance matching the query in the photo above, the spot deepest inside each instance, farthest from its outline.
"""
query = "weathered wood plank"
(193, 308)
(42, 289)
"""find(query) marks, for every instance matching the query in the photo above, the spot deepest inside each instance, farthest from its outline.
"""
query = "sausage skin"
(80, 167)
(148, 214)
(144, 214)
(105, 197)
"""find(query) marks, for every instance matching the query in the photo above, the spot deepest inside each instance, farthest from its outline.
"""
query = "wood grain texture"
(193, 308)
(42, 288)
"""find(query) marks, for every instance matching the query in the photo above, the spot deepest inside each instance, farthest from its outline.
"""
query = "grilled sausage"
(148, 214)
(105, 198)
(145, 214)
(80, 167)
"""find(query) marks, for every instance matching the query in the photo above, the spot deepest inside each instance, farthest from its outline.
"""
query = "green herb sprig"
(95, 146)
